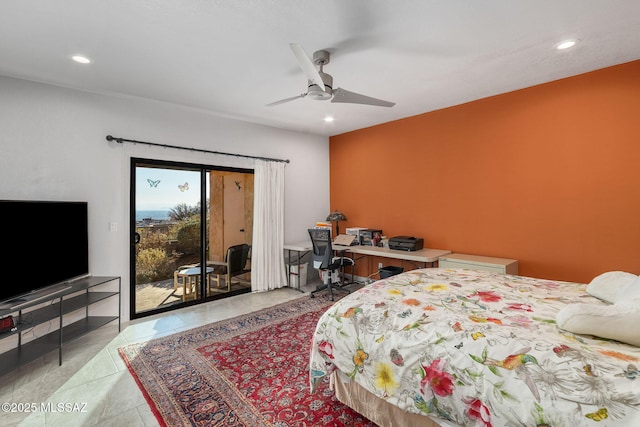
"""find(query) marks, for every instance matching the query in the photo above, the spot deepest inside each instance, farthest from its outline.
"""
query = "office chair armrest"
(334, 265)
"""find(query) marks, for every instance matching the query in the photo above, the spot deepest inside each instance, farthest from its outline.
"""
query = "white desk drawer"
(476, 262)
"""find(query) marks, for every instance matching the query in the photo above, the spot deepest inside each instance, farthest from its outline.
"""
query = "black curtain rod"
(200, 150)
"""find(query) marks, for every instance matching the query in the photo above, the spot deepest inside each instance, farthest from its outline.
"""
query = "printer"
(406, 243)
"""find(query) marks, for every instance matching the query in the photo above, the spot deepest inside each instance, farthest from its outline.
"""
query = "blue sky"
(162, 189)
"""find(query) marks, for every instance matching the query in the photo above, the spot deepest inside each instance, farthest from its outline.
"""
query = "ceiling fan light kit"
(320, 84)
(315, 92)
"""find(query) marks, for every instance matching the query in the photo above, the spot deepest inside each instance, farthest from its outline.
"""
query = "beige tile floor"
(93, 379)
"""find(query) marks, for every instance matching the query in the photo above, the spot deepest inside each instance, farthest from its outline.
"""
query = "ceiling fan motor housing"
(315, 92)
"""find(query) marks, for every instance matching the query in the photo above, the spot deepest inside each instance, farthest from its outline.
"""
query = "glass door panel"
(168, 232)
(186, 217)
(229, 224)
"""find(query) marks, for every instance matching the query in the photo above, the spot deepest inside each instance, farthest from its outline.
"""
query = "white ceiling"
(233, 57)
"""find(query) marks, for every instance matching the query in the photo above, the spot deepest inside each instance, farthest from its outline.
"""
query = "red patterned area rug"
(247, 371)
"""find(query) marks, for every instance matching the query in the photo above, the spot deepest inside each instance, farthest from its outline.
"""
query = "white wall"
(53, 147)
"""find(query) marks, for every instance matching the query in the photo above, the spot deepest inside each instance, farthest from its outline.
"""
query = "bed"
(474, 348)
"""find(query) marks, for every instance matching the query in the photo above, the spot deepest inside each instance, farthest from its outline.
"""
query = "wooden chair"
(235, 264)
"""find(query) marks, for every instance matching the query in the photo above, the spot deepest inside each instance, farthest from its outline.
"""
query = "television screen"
(44, 243)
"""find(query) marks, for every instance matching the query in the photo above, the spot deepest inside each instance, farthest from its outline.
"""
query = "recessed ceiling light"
(328, 119)
(81, 59)
(566, 44)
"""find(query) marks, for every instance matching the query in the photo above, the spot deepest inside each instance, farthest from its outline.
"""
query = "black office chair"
(323, 259)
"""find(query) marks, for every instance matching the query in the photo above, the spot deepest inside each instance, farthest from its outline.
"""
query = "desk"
(300, 248)
(425, 256)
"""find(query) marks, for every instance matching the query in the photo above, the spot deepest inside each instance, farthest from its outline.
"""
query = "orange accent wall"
(548, 175)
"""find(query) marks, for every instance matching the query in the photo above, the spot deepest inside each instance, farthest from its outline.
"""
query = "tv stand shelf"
(82, 294)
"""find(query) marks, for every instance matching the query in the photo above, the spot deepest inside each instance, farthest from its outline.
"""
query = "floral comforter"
(478, 348)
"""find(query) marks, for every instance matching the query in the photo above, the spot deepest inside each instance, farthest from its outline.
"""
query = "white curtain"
(267, 252)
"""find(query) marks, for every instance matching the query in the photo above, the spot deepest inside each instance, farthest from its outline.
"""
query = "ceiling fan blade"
(345, 96)
(307, 65)
(282, 101)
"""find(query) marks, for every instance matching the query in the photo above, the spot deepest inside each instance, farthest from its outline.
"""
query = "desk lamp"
(336, 216)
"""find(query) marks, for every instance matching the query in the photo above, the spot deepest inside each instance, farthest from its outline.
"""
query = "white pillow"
(607, 286)
(630, 293)
(617, 322)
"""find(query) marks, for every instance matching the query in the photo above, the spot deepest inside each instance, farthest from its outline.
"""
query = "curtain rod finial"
(111, 138)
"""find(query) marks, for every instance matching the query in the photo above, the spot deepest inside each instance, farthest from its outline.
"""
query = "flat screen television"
(43, 244)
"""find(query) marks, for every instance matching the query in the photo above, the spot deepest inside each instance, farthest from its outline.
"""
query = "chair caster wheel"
(313, 296)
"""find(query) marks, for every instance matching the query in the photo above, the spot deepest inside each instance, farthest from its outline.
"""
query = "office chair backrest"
(322, 252)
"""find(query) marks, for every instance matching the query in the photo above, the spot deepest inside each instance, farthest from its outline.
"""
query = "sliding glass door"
(183, 219)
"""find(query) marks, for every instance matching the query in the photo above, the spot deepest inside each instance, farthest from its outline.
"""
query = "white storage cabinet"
(477, 262)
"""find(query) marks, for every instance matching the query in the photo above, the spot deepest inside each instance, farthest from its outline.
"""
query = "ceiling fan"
(321, 84)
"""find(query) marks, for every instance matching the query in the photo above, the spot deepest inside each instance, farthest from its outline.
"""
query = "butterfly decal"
(184, 187)
(152, 183)
(599, 415)
(459, 346)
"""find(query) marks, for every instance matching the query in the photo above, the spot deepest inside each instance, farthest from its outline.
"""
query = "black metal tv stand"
(69, 303)
(29, 300)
